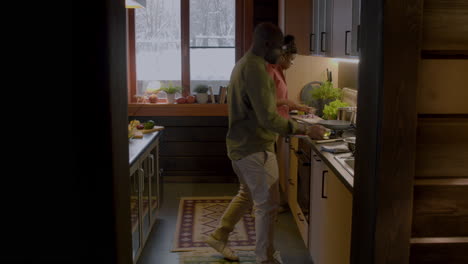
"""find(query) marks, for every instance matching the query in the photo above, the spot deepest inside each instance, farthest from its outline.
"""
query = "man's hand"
(316, 131)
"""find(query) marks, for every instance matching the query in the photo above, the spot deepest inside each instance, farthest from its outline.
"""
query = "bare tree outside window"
(158, 44)
(212, 42)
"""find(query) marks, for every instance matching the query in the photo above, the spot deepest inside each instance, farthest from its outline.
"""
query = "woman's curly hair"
(290, 44)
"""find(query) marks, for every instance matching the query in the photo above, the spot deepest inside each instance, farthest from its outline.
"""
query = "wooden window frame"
(243, 39)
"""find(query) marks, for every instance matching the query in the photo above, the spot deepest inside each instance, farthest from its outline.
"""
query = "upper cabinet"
(295, 19)
(322, 27)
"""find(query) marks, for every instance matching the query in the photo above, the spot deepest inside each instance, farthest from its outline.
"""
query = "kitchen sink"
(347, 162)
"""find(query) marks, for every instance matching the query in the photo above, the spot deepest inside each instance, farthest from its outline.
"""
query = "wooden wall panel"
(205, 134)
(439, 252)
(208, 164)
(443, 87)
(193, 149)
(445, 25)
(440, 210)
(442, 148)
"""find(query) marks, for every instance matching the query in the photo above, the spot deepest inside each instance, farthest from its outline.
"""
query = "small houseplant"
(171, 91)
(325, 94)
(202, 93)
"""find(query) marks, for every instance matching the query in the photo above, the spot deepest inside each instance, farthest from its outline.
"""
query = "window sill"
(177, 110)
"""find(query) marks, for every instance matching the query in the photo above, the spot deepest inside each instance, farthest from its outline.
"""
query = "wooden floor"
(158, 247)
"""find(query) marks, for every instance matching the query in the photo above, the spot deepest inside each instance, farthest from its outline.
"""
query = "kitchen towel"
(341, 148)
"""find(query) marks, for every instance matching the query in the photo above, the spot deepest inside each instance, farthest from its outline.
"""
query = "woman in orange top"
(283, 104)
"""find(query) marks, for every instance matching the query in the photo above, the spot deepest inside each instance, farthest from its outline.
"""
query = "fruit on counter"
(132, 127)
(190, 99)
(153, 98)
(181, 100)
(140, 126)
(149, 125)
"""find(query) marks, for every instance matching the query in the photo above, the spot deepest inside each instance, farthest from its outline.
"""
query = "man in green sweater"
(253, 128)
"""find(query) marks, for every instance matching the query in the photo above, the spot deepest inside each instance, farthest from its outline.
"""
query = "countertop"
(138, 146)
(345, 177)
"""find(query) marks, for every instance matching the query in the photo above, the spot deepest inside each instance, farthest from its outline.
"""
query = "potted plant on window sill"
(171, 91)
(202, 93)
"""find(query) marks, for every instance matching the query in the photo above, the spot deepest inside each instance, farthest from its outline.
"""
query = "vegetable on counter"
(149, 125)
(330, 110)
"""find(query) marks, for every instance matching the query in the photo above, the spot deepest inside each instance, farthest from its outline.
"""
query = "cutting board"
(155, 128)
(139, 133)
(311, 121)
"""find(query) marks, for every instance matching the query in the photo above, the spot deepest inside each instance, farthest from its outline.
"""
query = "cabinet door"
(292, 15)
(292, 179)
(317, 203)
(340, 17)
(355, 28)
(145, 196)
(135, 207)
(155, 190)
(338, 217)
(318, 37)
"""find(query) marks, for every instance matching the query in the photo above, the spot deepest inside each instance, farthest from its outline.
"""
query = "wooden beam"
(185, 44)
(131, 56)
(383, 187)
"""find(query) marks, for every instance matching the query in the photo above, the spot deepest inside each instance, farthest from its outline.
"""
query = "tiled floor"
(158, 247)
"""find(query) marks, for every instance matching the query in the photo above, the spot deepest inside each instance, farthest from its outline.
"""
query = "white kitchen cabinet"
(317, 209)
(332, 28)
(331, 217)
(145, 195)
(355, 28)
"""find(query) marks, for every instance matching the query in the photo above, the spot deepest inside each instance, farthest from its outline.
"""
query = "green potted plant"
(171, 91)
(202, 93)
(325, 94)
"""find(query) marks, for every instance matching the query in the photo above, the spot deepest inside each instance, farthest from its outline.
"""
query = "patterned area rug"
(213, 257)
(199, 216)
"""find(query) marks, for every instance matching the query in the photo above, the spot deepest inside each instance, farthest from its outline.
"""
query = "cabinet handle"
(346, 43)
(312, 36)
(151, 157)
(323, 185)
(142, 175)
(290, 182)
(321, 41)
(135, 185)
(299, 216)
(316, 158)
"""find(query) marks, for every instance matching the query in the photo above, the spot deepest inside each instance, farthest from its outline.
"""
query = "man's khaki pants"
(258, 176)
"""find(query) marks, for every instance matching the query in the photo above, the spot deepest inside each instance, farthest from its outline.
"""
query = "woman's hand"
(305, 108)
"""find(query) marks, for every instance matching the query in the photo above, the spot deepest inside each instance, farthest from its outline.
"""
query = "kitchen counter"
(138, 146)
(345, 177)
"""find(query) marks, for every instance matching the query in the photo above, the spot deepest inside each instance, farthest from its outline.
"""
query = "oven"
(303, 154)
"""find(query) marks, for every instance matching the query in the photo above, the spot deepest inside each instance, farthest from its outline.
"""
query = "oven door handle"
(324, 196)
(300, 155)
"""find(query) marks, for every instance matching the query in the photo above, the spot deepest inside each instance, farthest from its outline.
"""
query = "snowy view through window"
(158, 43)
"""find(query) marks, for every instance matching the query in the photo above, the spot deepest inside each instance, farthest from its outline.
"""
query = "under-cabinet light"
(346, 60)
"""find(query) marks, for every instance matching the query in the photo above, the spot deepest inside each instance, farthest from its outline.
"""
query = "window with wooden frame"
(184, 43)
